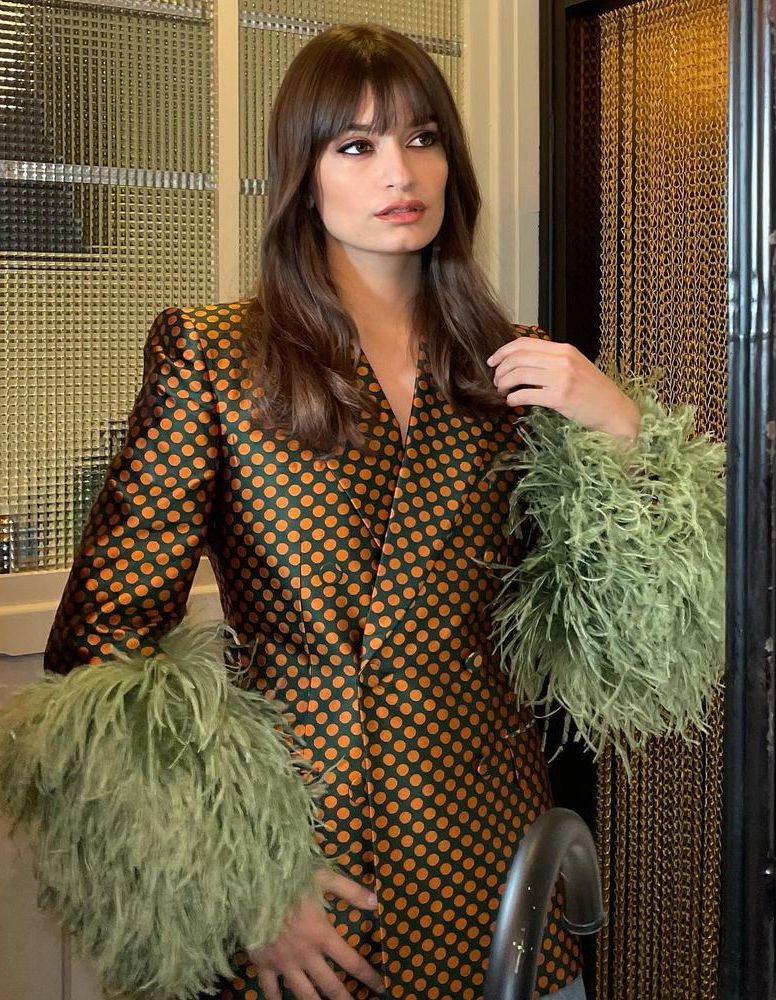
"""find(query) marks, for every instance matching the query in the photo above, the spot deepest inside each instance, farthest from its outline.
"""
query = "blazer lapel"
(412, 503)
(368, 479)
(444, 457)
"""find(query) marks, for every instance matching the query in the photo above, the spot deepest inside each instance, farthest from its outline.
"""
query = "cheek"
(442, 184)
(332, 189)
(333, 200)
(440, 181)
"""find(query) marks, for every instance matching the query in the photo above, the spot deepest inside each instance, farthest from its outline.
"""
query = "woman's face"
(359, 175)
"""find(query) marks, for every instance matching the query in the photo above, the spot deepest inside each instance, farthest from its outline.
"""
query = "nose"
(395, 165)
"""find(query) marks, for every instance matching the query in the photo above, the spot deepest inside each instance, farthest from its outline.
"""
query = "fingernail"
(371, 899)
(490, 360)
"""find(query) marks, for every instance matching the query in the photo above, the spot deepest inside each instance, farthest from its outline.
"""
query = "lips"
(402, 206)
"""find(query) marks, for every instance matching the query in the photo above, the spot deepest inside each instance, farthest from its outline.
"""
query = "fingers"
(326, 980)
(509, 378)
(556, 359)
(517, 370)
(346, 888)
(547, 380)
(528, 397)
(507, 381)
(270, 986)
(532, 393)
(299, 953)
(354, 963)
(302, 988)
(528, 345)
(541, 369)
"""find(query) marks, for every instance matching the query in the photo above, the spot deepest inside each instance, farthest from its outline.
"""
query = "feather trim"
(617, 609)
(170, 820)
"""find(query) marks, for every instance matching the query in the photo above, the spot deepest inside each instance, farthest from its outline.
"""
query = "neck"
(377, 290)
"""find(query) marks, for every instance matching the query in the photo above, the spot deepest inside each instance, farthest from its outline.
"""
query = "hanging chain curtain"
(649, 81)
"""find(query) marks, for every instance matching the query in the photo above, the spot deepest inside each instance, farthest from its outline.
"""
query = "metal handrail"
(557, 844)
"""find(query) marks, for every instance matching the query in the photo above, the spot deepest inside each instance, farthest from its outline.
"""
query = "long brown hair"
(297, 334)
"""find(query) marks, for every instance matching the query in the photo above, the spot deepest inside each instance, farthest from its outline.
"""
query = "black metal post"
(573, 772)
(747, 968)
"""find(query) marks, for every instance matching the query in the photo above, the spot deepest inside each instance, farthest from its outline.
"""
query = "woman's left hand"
(563, 379)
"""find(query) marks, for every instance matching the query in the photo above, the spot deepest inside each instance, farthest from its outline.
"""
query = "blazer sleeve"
(133, 571)
(171, 818)
(617, 609)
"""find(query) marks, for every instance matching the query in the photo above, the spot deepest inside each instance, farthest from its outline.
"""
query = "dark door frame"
(747, 963)
(747, 968)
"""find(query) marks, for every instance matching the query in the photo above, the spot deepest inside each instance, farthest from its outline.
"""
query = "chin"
(408, 242)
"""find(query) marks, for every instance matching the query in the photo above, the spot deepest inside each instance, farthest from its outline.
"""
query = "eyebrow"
(369, 126)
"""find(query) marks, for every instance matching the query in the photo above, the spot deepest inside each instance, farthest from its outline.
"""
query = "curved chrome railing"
(559, 843)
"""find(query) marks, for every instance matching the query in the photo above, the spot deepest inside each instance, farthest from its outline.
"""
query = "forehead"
(395, 110)
(398, 103)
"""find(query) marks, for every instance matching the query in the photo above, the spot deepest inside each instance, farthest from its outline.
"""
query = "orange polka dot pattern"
(361, 583)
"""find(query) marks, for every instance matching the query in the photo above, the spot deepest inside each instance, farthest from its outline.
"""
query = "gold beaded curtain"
(647, 125)
(109, 182)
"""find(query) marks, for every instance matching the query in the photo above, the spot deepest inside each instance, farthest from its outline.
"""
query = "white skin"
(376, 269)
(299, 953)
(376, 265)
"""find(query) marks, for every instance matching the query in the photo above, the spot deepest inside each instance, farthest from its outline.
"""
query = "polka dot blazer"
(355, 582)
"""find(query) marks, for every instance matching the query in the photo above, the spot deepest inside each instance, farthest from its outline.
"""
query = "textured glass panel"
(271, 33)
(106, 188)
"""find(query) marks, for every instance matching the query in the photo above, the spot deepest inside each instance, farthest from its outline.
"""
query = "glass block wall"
(108, 184)
(107, 195)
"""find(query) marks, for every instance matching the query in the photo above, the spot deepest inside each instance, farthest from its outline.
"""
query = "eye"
(355, 142)
(432, 136)
(430, 139)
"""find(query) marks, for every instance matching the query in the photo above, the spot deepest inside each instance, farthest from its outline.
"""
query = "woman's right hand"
(299, 952)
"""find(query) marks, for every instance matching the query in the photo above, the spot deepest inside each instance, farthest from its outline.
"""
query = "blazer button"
(356, 789)
(327, 575)
(376, 680)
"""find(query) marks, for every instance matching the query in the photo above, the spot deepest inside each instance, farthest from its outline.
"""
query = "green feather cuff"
(171, 819)
(617, 609)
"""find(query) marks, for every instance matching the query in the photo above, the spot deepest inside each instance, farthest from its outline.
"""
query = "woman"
(329, 442)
